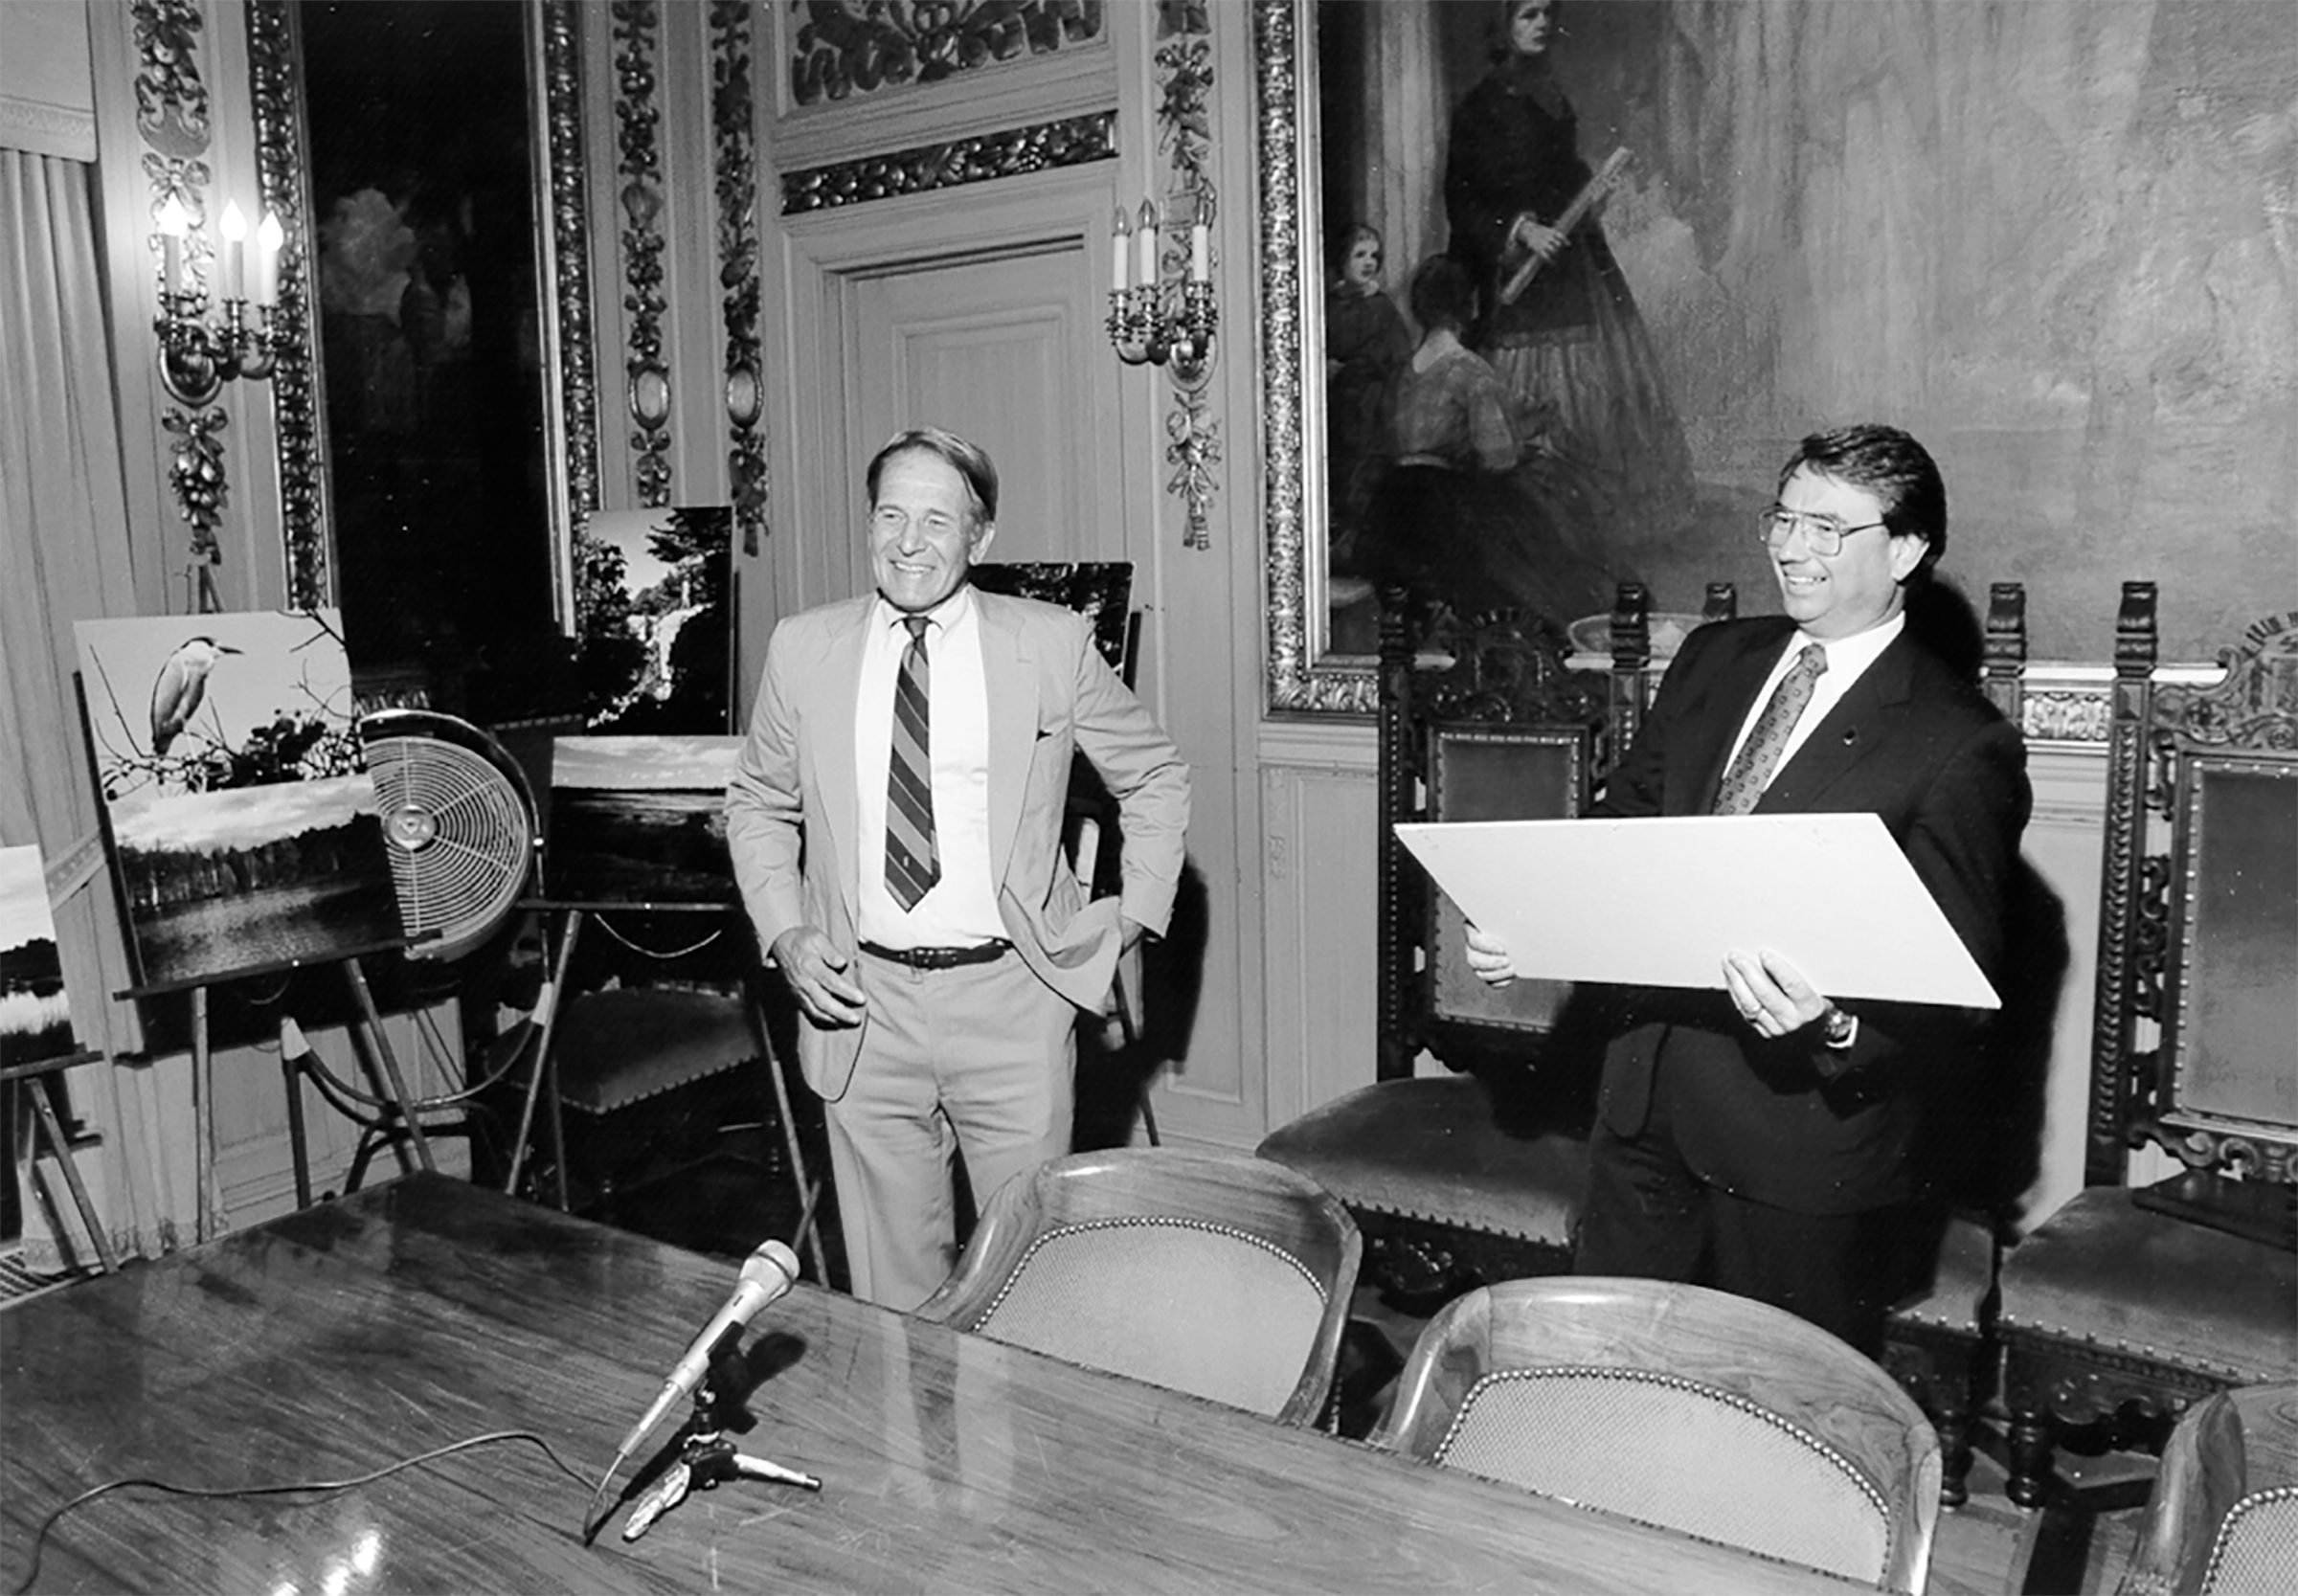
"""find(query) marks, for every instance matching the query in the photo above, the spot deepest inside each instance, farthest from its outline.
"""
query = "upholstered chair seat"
(1447, 1193)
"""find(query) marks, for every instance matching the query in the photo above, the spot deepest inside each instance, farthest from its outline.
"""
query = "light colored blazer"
(792, 809)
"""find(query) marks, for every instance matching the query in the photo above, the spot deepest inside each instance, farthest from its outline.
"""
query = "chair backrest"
(2222, 1519)
(2197, 970)
(1504, 730)
(1222, 1275)
(1678, 1407)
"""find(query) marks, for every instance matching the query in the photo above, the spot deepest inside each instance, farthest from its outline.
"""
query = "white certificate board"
(1657, 902)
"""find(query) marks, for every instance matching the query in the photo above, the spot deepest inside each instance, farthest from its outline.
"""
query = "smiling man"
(1758, 1138)
(895, 826)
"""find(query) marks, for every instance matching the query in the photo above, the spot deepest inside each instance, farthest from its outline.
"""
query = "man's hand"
(1770, 993)
(814, 970)
(1489, 958)
(1132, 931)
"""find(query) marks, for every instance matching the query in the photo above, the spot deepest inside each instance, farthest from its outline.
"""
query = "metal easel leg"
(203, 1113)
(809, 1227)
(294, 1048)
(547, 1006)
(391, 1063)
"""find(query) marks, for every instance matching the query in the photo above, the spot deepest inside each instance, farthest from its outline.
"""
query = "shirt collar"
(946, 616)
(1856, 652)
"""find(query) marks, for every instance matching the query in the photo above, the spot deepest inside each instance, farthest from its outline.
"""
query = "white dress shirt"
(961, 910)
(1847, 660)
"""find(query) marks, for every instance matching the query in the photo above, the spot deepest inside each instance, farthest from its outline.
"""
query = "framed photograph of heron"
(240, 817)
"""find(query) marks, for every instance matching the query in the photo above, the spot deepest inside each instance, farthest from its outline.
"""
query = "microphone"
(766, 1274)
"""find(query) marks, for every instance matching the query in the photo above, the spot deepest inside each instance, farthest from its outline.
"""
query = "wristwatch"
(1838, 1030)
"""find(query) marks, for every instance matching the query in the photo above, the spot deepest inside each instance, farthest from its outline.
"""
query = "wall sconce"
(198, 356)
(1149, 322)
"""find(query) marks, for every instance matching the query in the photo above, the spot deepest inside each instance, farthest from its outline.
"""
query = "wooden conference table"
(359, 1332)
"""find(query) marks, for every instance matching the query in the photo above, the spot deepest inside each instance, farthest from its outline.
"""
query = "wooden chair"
(1476, 1174)
(2223, 1517)
(2127, 1304)
(1220, 1276)
(1680, 1407)
(1939, 1339)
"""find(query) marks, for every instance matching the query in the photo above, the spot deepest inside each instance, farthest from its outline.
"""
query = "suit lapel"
(1009, 672)
(831, 754)
(1850, 732)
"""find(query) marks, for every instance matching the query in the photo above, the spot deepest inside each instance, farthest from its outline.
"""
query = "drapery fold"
(65, 556)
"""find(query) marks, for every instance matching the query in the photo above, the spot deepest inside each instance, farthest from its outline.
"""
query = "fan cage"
(458, 823)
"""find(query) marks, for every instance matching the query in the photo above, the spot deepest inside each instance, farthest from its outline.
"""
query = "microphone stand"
(707, 1459)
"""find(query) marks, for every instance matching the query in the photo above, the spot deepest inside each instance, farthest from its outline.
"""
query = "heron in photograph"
(183, 682)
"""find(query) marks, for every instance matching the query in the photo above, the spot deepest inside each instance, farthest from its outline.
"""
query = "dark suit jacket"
(1788, 1122)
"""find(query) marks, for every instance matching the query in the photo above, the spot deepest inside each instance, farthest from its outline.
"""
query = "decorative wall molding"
(638, 124)
(567, 272)
(172, 116)
(734, 176)
(839, 52)
(1184, 61)
(282, 157)
(1295, 683)
(925, 168)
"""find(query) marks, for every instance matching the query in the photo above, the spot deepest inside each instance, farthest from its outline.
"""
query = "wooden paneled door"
(984, 318)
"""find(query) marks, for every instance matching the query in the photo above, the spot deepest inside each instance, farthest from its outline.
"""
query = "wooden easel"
(34, 1075)
(203, 1080)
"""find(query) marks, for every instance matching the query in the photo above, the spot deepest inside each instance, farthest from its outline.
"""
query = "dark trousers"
(1647, 1215)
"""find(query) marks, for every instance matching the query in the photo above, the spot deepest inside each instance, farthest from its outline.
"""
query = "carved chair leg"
(1953, 1425)
(2030, 1478)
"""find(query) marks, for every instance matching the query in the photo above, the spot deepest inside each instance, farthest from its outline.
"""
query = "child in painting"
(1452, 522)
(1364, 344)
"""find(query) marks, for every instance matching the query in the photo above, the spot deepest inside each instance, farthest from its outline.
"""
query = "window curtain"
(65, 557)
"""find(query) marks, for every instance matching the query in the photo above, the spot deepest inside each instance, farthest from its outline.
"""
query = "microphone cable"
(320, 1487)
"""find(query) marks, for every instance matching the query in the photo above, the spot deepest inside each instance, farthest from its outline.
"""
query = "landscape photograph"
(639, 819)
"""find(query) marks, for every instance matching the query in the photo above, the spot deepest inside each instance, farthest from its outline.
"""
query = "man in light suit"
(1757, 1138)
(895, 825)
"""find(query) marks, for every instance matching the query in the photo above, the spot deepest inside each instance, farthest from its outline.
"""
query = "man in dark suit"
(895, 825)
(1757, 1138)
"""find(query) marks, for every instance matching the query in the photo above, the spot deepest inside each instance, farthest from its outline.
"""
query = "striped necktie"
(912, 864)
(1744, 784)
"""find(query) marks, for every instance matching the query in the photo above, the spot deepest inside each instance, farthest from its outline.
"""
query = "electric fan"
(459, 822)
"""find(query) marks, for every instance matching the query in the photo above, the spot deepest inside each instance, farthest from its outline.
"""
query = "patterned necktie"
(1744, 784)
(912, 864)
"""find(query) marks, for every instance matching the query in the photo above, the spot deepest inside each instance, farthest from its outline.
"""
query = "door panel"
(1003, 350)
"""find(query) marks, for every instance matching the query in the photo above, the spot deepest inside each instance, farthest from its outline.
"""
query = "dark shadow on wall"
(1112, 1079)
(1983, 1146)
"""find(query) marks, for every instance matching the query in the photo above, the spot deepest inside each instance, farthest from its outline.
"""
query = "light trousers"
(978, 1060)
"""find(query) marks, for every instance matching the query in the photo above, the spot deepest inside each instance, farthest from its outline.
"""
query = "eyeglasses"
(1822, 534)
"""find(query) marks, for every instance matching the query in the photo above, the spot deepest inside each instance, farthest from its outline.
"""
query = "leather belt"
(940, 958)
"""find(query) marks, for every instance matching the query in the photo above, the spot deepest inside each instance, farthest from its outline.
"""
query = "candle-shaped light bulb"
(1201, 252)
(1147, 236)
(269, 237)
(1120, 240)
(233, 228)
(174, 222)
